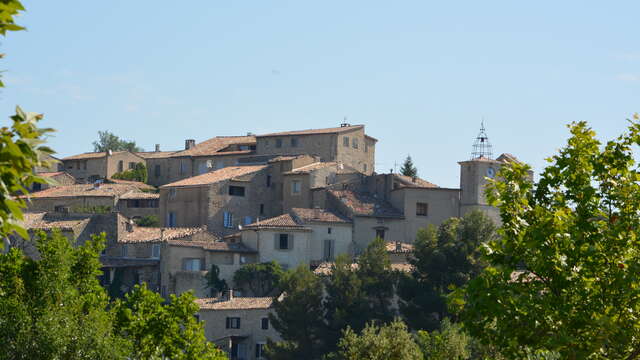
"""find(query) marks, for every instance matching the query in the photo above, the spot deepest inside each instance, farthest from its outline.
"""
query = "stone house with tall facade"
(92, 166)
(239, 326)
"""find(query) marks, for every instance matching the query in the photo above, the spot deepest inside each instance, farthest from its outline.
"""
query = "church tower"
(474, 175)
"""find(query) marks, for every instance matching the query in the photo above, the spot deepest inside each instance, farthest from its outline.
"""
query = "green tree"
(408, 169)
(139, 173)
(389, 342)
(109, 141)
(377, 279)
(443, 259)
(157, 330)
(448, 343)
(214, 283)
(346, 303)
(261, 279)
(298, 317)
(54, 307)
(148, 221)
(576, 233)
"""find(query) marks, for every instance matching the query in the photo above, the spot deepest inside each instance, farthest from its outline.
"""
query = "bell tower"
(474, 176)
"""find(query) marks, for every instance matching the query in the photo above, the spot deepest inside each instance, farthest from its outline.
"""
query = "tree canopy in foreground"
(564, 276)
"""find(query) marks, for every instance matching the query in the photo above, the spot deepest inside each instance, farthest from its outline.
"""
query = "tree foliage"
(261, 279)
(54, 308)
(148, 221)
(448, 343)
(298, 317)
(214, 283)
(157, 331)
(138, 173)
(109, 141)
(389, 342)
(443, 259)
(576, 232)
(377, 280)
(408, 169)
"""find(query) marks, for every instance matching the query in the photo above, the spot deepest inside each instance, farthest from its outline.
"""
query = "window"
(155, 251)
(295, 187)
(261, 209)
(328, 230)
(172, 193)
(366, 147)
(233, 323)
(236, 190)
(37, 186)
(422, 209)
(120, 166)
(380, 233)
(70, 166)
(183, 167)
(248, 220)
(84, 165)
(328, 250)
(345, 141)
(171, 219)
(132, 165)
(284, 242)
(227, 219)
(294, 142)
(124, 251)
(354, 143)
(364, 167)
(260, 351)
(192, 265)
(278, 143)
(156, 170)
(268, 180)
(265, 323)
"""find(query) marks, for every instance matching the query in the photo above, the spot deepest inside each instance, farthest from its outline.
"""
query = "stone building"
(57, 178)
(347, 144)
(92, 166)
(302, 236)
(98, 197)
(221, 199)
(238, 325)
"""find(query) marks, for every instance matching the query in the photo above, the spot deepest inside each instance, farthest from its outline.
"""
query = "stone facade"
(89, 167)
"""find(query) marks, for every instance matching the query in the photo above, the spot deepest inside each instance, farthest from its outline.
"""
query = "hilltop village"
(297, 198)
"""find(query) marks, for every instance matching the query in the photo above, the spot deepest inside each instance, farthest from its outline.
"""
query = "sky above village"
(419, 74)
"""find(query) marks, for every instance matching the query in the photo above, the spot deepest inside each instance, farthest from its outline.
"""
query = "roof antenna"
(345, 123)
(482, 146)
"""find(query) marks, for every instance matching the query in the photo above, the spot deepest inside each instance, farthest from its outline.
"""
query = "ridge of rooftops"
(297, 218)
(213, 177)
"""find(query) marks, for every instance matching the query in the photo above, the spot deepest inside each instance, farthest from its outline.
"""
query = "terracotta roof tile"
(318, 215)
(139, 195)
(311, 167)
(212, 177)
(52, 174)
(334, 130)
(236, 303)
(155, 154)
(285, 158)
(137, 184)
(399, 247)
(407, 181)
(91, 155)
(215, 145)
(84, 190)
(45, 221)
(325, 268)
(155, 234)
(285, 221)
(365, 204)
(218, 245)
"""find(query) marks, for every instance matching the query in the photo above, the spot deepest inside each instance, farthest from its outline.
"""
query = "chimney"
(109, 152)
(157, 147)
(189, 143)
(161, 234)
(228, 295)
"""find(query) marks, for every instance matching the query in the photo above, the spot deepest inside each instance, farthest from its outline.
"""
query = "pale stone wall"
(83, 169)
(364, 230)
(265, 242)
(250, 326)
(299, 200)
(340, 236)
(73, 202)
(321, 145)
(189, 204)
(128, 159)
(357, 158)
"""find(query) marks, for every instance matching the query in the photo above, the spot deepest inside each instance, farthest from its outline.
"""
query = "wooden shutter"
(290, 241)
(276, 241)
(228, 325)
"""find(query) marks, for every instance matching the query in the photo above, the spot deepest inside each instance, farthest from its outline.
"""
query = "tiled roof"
(45, 221)
(137, 184)
(285, 158)
(334, 130)
(215, 145)
(218, 245)
(361, 203)
(139, 195)
(507, 158)
(155, 234)
(155, 154)
(84, 190)
(236, 303)
(285, 221)
(326, 268)
(407, 181)
(318, 215)
(309, 168)
(212, 177)
(91, 155)
(52, 174)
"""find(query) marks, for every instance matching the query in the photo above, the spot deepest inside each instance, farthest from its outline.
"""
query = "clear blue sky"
(420, 75)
